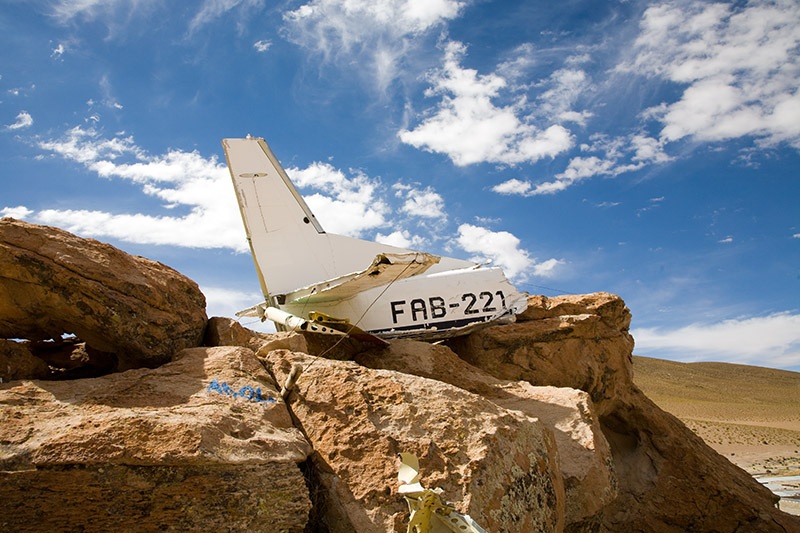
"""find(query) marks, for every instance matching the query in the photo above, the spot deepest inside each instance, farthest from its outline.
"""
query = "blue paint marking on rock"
(248, 393)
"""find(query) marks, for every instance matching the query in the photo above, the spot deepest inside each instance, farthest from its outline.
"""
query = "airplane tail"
(289, 246)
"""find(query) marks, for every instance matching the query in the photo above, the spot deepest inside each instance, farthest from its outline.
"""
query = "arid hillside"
(749, 414)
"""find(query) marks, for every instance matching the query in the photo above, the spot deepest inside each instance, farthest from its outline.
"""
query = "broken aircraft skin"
(313, 280)
(430, 513)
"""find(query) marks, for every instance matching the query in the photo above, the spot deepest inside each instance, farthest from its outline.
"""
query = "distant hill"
(749, 414)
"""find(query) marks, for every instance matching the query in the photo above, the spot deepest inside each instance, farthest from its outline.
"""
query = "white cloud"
(502, 249)
(179, 178)
(726, 239)
(421, 202)
(349, 206)
(739, 66)
(796, 236)
(649, 150)
(224, 302)
(24, 120)
(19, 212)
(512, 186)
(518, 66)
(401, 239)
(641, 149)
(547, 269)
(565, 87)
(221, 301)
(772, 340)
(106, 10)
(262, 45)
(578, 117)
(58, 51)
(213, 9)
(373, 34)
(109, 100)
(469, 128)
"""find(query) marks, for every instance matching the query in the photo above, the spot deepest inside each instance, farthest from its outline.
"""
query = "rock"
(222, 331)
(589, 348)
(17, 362)
(73, 359)
(150, 449)
(52, 282)
(584, 457)
(498, 465)
(669, 479)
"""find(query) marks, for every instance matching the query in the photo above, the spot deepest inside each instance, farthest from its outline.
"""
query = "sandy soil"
(750, 415)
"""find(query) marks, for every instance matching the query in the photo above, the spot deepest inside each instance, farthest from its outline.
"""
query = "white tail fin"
(289, 246)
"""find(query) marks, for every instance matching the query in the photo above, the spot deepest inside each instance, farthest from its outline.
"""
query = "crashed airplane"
(318, 281)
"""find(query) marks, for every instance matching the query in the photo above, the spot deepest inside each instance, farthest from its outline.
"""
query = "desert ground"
(749, 414)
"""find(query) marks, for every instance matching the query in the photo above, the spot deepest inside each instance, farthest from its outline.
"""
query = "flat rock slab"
(155, 498)
(53, 282)
(202, 441)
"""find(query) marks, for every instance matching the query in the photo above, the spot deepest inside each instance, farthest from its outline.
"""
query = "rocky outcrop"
(499, 465)
(202, 442)
(669, 479)
(584, 457)
(53, 283)
(532, 426)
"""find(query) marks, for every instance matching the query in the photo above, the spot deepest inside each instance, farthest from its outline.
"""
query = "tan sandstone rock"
(669, 479)
(202, 442)
(587, 348)
(223, 331)
(17, 362)
(498, 465)
(585, 460)
(52, 282)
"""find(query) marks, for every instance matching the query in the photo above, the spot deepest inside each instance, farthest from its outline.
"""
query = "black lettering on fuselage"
(396, 309)
(418, 306)
(438, 309)
(485, 302)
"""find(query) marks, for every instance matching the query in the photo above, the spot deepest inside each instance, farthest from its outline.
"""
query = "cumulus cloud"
(772, 340)
(24, 120)
(346, 206)
(402, 239)
(513, 186)
(738, 65)
(19, 212)
(502, 249)
(378, 33)
(221, 301)
(564, 87)
(612, 160)
(178, 178)
(425, 203)
(469, 128)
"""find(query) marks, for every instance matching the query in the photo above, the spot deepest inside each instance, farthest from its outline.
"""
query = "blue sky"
(646, 149)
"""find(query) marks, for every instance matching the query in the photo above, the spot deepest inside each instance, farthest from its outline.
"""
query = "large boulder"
(669, 479)
(204, 442)
(498, 465)
(584, 457)
(577, 341)
(54, 283)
